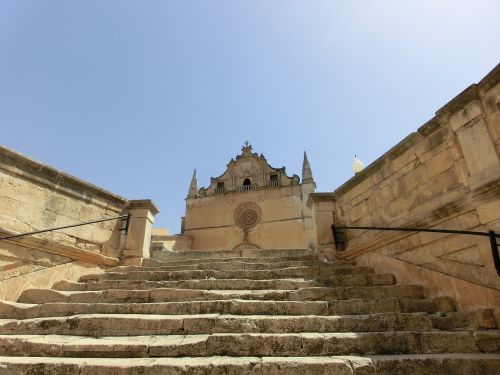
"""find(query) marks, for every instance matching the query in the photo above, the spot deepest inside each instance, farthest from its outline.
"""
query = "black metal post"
(127, 223)
(338, 238)
(494, 250)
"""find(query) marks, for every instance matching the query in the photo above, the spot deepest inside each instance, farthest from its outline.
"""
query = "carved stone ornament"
(247, 215)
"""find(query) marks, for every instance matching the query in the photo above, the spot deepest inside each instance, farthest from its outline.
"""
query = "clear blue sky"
(132, 95)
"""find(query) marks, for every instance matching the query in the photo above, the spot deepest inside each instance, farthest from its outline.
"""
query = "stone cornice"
(491, 79)
(143, 204)
(458, 102)
(320, 197)
(471, 93)
(20, 165)
(394, 152)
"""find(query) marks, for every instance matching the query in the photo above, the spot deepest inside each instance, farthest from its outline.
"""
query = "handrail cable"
(338, 237)
(124, 229)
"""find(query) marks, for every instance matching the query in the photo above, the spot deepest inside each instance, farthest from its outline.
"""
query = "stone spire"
(307, 176)
(193, 188)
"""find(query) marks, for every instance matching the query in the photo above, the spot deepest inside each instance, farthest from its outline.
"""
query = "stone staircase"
(243, 312)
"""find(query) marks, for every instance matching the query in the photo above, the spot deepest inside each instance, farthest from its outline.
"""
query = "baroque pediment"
(248, 171)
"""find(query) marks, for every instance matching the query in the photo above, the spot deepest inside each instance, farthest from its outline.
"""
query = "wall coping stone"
(143, 204)
(376, 165)
(320, 197)
(466, 96)
(52, 177)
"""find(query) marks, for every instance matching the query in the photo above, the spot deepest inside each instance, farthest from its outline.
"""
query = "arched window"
(247, 182)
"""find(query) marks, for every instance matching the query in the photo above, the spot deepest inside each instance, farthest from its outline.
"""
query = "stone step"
(212, 254)
(474, 319)
(435, 305)
(249, 344)
(236, 265)
(360, 279)
(291, 272)
(231, 306)
(228, 284)
(149, 262)
(430, 364)
(176, 295)
(417, 364)
(140, 325)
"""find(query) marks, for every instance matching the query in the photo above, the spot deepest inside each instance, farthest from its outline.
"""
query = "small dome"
(357, 165)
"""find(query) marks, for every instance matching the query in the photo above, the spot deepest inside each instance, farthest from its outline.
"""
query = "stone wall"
(284, 220)
(34, 196)
(251, 205)
(445, 175)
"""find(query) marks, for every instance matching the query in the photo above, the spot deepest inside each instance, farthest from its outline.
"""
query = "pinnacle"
(307, 176)
(193, 187)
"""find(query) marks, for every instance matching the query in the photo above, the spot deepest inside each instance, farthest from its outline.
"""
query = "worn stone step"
(430, 364)
(218, 321)
(228, 284)
(139, 324)
(149, 262)
(473, 319)
(236, 265)
(172, 294)
(434, 305)
(176, 366)
(346, 280)
(291, 272)
(212, 254)
(420, 364)
(360, 279)
(231, 306)
(246, 344)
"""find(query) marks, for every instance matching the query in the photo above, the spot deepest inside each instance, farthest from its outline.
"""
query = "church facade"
(250, 205)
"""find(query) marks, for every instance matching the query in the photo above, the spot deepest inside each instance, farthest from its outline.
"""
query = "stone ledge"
(146, 204)
(465, 97)
(376, 165)
(27, 168)
(320, 197)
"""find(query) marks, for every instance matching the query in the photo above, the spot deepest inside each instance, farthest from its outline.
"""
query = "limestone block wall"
(445, 175)
(34, 196)
(285, 222)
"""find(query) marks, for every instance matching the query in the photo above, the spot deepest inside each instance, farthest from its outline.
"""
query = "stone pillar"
(322, 206)
(138, 239)
(468, 120)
